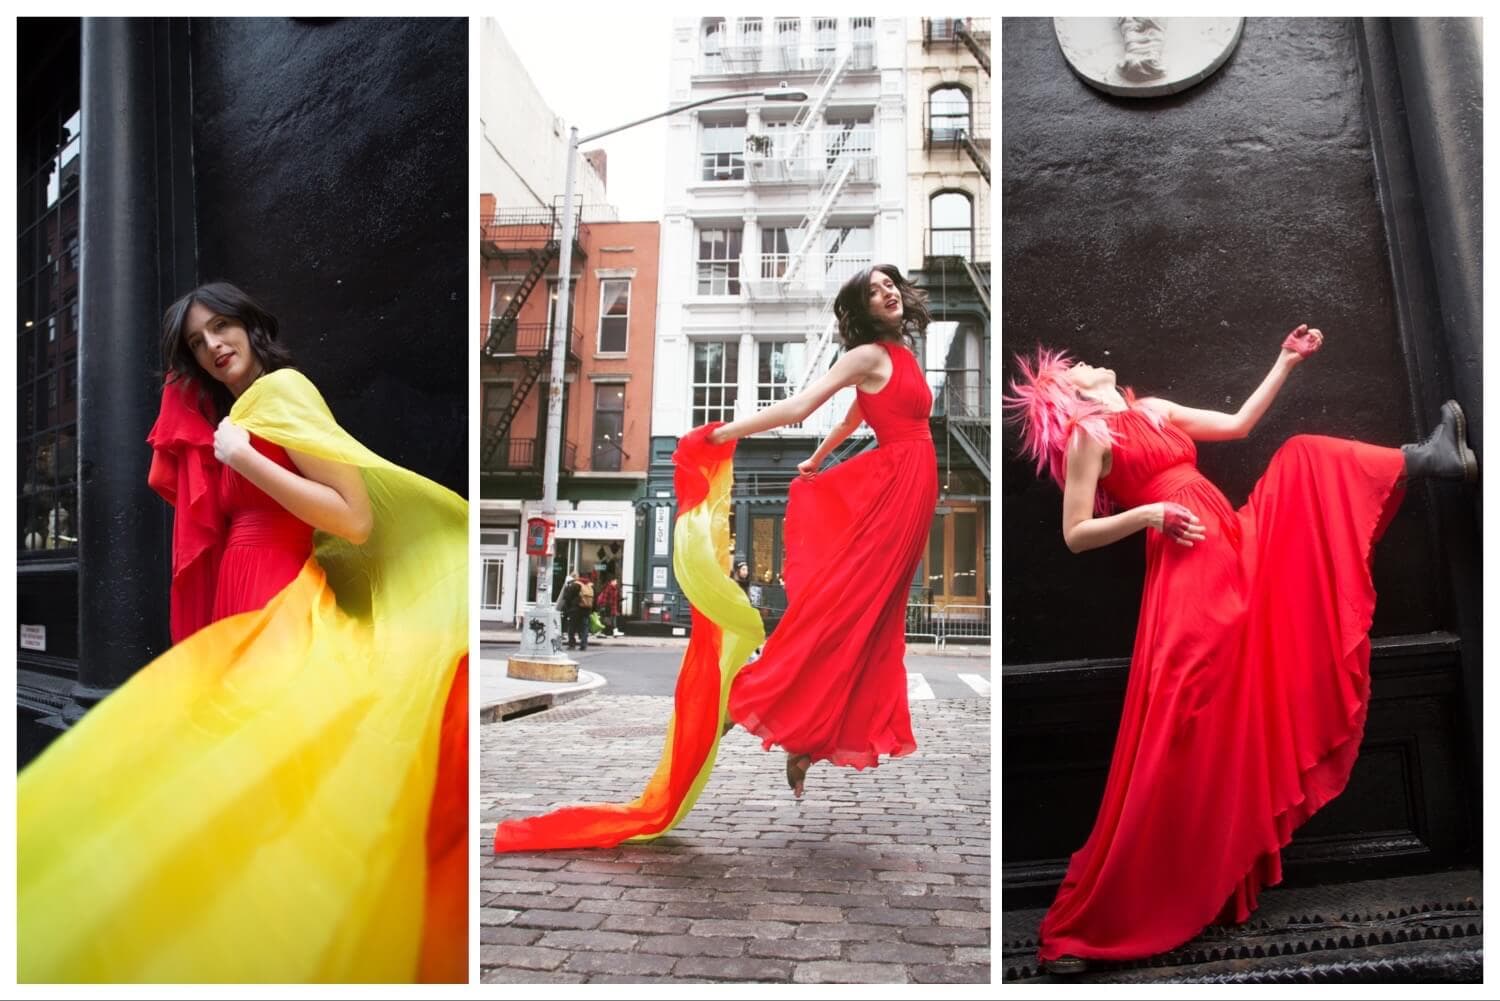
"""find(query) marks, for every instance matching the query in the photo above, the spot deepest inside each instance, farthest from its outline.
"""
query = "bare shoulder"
(1158, 405)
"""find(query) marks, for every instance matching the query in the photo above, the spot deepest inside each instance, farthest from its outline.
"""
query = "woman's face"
(221, 347)
(885, 300)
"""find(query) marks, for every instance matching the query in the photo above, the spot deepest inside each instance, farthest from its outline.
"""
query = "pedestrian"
(742, 577)
(1249, 681)
(280, 780)
(608, 604)
(567, 604)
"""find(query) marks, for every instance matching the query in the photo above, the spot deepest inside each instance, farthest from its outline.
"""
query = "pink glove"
(1303, 341)
(1177, 520)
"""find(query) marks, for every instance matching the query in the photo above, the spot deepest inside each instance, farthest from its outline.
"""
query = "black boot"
(1445, 454)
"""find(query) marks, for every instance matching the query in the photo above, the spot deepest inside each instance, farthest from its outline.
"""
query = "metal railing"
(967, 243)
(945, 125)
(522, 455)
(948, 621)
(526, 339)
(799, 57)
(959, 393)
(947, 30)
(821, 152)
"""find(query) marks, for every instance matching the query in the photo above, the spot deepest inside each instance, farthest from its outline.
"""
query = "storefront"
(596, 538)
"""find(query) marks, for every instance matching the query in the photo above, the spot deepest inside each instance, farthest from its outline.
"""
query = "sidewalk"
(501, 696)
(1412, 929)
(878, 876)
(920, 648)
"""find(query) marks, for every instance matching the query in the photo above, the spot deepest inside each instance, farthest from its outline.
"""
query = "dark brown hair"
(852, 309)
(177, 360)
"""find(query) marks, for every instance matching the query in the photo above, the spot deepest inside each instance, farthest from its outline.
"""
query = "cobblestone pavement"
(880, 876)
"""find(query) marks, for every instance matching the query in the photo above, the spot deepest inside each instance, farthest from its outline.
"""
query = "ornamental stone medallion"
(1146, 56)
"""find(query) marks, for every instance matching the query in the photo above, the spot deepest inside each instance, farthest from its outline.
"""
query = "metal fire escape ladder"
(961, 31)
(812, 224)
(506, 322)
(980, 160)
(811, 112)
(973, 436)
(981, 286)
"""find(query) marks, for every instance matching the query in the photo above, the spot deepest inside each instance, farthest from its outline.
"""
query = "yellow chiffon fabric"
(252, 805)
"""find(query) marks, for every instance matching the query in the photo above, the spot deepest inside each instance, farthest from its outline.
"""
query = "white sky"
(605, 72)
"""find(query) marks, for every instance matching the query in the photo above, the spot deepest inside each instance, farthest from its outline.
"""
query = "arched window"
(951, 225)
(947, 115)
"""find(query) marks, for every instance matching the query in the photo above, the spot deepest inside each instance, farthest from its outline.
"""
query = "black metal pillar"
(1424, 92)
(128, 256)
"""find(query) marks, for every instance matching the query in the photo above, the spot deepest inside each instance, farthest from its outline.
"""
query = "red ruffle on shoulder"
(185, 473)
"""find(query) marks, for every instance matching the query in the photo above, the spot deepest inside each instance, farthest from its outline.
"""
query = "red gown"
(1248, 687)
(831, 679)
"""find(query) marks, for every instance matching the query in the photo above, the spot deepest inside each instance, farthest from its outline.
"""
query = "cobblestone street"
(879, 876)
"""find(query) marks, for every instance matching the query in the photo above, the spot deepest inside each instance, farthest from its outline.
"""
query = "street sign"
(34, 638)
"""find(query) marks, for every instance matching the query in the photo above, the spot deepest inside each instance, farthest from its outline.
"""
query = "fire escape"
(529, 239)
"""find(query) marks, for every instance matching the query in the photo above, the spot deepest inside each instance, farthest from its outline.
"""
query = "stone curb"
(494, 712)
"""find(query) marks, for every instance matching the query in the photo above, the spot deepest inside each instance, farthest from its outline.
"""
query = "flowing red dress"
(1248, 687)
(831, 679)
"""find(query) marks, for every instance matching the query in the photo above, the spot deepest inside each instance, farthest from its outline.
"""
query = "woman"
(280, 796)
(1249, 678)
(830, 683)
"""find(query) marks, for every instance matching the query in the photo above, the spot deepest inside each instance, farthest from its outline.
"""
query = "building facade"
(948, 256)
(605, 437)
(769, 208)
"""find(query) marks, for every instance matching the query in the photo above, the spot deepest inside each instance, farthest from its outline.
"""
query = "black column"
(128, 255)
(1423, 80)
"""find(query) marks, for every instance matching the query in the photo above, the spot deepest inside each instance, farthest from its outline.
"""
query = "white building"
(770, 206)
(522, 145)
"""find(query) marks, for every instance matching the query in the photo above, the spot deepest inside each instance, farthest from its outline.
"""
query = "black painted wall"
(1176, 240)
(331, 172)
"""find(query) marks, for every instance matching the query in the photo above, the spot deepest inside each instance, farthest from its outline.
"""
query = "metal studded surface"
(1416, 928)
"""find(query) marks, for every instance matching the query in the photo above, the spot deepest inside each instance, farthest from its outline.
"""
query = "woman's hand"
(718, 437)
(1300, 343)
(231, 443)
(807, 468)
(1176, 522)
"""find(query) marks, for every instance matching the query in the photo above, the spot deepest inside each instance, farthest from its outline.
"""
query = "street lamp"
(540, 655)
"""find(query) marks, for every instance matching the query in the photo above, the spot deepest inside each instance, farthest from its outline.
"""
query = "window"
(748, 56)
(825, 40)
(780, 367)
(503, 293)
(846, 249)
(863, 55)
(496, 401)
(719, 261)
(851, 139)
(777, 245)
(948, 115)
(713, 45)
(47, 230)
(614, 315)
(766, 548)
(609, 426)
(952, 230)
(788, 40)
(723, 152)
(716, 368)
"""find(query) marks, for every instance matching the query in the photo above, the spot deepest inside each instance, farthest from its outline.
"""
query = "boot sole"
(1470, 460)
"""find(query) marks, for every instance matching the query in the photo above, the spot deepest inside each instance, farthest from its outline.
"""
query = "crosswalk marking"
(917, 688)
(978, 682)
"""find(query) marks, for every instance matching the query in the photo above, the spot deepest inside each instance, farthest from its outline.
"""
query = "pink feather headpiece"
(1046, 407)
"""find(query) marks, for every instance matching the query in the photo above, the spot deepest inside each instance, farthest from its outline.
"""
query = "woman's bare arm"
(328, 495)
(842, 430)
(852, 368)
(1083, 531)
(1214, 425)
